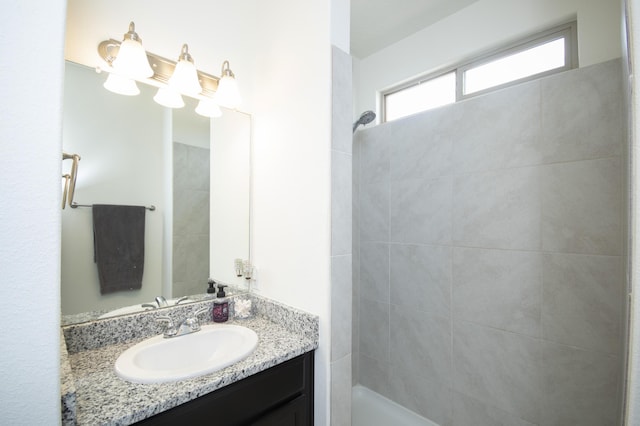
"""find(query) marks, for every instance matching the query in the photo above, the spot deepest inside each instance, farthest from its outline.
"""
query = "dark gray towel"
(118, 242)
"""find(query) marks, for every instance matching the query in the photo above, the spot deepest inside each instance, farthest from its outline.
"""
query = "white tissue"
(242, 308)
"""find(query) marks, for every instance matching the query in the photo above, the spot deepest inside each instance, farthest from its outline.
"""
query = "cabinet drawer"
(245, 402)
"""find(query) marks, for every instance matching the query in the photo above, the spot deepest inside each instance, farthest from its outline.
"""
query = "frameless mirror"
(194, 170)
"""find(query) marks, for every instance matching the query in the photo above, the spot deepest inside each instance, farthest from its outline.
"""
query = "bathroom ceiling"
(376, 24)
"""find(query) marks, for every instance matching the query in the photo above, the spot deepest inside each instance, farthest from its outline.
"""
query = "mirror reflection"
(135, 152)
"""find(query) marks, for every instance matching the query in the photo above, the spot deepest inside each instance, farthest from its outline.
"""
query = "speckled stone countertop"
(102, 398)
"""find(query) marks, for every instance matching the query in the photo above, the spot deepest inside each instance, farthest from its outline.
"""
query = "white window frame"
(567, 31)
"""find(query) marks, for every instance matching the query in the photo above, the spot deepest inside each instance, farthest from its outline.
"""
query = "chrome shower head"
(366, 118)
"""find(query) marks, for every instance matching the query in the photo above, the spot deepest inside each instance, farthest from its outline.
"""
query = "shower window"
(424, 95)
(545, 53)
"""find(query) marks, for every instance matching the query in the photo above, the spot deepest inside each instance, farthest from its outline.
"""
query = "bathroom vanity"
(272, 386)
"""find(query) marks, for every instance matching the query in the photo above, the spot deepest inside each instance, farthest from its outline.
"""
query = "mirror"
(136, 152)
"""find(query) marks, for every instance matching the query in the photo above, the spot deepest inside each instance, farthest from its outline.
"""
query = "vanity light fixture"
(132, 61)
(173, 79)
(208, 108)
(121, 85)
(185, 76)
(168, 97)
(227, 94)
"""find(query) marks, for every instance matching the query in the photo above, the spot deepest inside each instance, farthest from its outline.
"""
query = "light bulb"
(185, 76)
(208, 108)
(121, 85)
(227, 94)
(131, 60)
(169, 98)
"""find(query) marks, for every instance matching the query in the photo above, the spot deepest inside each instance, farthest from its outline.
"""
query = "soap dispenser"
(211, 288)
(220, 305)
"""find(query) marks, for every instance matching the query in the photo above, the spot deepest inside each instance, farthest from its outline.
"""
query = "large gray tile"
(355, 367)
(421, 343)
(420, 211)
(582, 207)
(374, 271)
(582, 113)
(499, 209)
(355, 195)
(355, 315)
(582, 301)
(423, 143)
(341, 100)
(191, 212)
(579, 387)
(341, 392)
(498, 368)
(198, 169)
(421, 278)
(498, 288)
(198, 261)
(499, 130)
(375, 145)
(374, 374)
(422, 395)
(180, 167)
(374, 330)
(180, 256)
(341, 202)
(374, 212)
(341, 305)
(469, 411)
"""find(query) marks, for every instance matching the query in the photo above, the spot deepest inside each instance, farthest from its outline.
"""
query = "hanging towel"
(118, 243)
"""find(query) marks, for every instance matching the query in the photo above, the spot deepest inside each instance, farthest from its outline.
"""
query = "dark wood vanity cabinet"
(279, 396)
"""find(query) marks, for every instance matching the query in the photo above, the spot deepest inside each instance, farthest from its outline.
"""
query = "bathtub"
(372, 409)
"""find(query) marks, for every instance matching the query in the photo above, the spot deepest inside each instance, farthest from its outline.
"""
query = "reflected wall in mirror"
(135, 152)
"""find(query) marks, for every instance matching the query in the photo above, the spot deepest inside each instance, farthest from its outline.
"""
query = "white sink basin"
(158, 360)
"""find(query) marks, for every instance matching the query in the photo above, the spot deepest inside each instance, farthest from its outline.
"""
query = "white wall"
(633, 386)
(486, 25)
(291, 167)
(31, 38)
(119, 139)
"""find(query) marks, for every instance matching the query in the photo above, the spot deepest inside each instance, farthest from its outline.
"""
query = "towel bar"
(75, 205)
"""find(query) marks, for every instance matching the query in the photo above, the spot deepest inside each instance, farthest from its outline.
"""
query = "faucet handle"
(201, 311)
(193, 321)
(170, 327)
(182, 299)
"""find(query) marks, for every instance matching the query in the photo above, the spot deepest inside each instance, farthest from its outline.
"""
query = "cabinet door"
(293, 413)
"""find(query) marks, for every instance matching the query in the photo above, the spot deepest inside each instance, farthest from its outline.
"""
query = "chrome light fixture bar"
(173, 79)
(163, 68)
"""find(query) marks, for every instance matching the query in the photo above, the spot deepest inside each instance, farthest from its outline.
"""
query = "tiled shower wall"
(489, 273)
(341, 239)
(190, 219)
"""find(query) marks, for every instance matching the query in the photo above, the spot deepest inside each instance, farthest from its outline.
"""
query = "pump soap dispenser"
(221, 305)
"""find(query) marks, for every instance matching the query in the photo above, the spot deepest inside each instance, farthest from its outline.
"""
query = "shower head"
(366, 118)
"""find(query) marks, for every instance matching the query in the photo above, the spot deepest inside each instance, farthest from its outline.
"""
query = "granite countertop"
(102, 398)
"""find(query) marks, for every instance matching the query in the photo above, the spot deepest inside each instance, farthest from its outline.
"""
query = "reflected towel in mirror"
(118, 241)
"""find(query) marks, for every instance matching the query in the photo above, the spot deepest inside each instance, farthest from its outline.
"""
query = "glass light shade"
(208, 108)
(121, 85)
(185, 78)
(132, 61)
(228, 94)
(169, 98)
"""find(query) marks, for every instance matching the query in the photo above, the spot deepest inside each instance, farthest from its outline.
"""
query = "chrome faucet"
(187, 326)
(161, 302)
